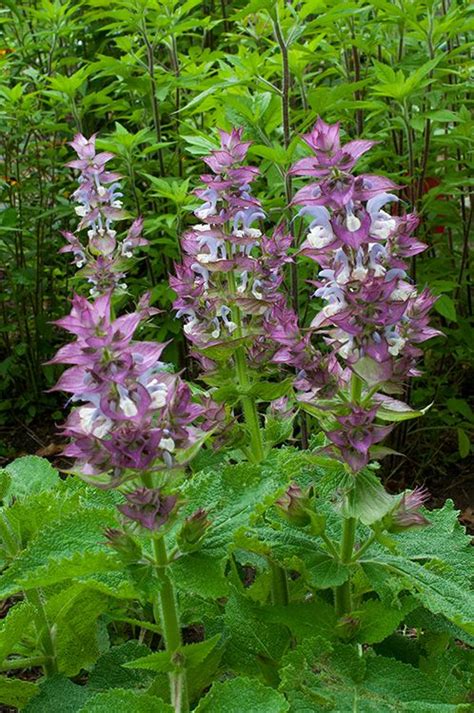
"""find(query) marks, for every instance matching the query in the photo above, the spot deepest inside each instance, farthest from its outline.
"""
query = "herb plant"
(223, 541)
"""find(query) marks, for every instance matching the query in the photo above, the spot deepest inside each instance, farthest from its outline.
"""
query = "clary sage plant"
(253, 574)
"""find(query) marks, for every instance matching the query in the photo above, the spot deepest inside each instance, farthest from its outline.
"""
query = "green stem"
(280, 591)
(249, 406)
(343, 597)
(171, 627)
(356, 389)
(364, 547)
(49, 664)
(249, 409)
(15, 664)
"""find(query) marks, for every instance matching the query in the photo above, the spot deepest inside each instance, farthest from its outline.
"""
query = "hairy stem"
(171, 627)
(343, 594)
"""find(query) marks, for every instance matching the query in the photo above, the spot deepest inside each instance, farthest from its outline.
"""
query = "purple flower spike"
(99, 205)
(356, 434)
(228, 285)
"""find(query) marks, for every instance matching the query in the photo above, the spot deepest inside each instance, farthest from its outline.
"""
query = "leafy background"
(154, 78)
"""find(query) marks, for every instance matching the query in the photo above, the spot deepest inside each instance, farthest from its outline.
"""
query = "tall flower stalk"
(228, 285)
(134, 423)
(373, 319)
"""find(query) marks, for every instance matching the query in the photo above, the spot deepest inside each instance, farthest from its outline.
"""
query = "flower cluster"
(99, 198)
(134, 415)
(373, 319)
(228, 283)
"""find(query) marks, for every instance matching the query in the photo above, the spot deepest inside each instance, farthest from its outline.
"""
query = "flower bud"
(149, 507)
(193, 530)
(125, 545)
(295, 506)
(406, 513)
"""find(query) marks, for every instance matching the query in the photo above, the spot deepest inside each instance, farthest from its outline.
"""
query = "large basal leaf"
(252, 640)
(58, 693)
(30, 474)
(72, 547)
(74, 612)
(119, 699)
(318, 676)
(109, 671)
(437, 591)
(242, 694)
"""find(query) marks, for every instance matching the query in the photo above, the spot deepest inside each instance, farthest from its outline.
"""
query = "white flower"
(352, 223)
(201, 227)
(126, 404)
(167, 444)
(203, 213)
(158, 392)
(81, 210)
(382, 225)
(93, 421)
(320, 236)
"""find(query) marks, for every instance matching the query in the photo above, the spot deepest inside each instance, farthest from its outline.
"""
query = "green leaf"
(367, 499)
(31, 474)
(304, 619)
(72, 547)
(242, 694)
(318, 676)
(200, 573)
(464, 443)
(445, 306)
(14, 627)
(377, 621)
(268, 391)
(188, 656)
(74, 612)
(394, 410)
(110, 672)
(252, 640)
(120, 699)
(437, 592)
(16, 693)
(58, 693)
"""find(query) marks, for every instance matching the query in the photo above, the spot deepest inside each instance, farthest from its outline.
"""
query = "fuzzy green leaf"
(31, 474)
(58, 693)
(109, 671)
(188, 656)
(120, 699)
(16, 693)
(242, 694)
(318, 676)
(74, 612)
(14, 626)
(72, 547)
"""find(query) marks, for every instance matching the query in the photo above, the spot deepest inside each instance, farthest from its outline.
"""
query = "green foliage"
(16, 693)
(122, 699)
(319, 676)
(240, 694)
(28, 476)
(156, 79)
